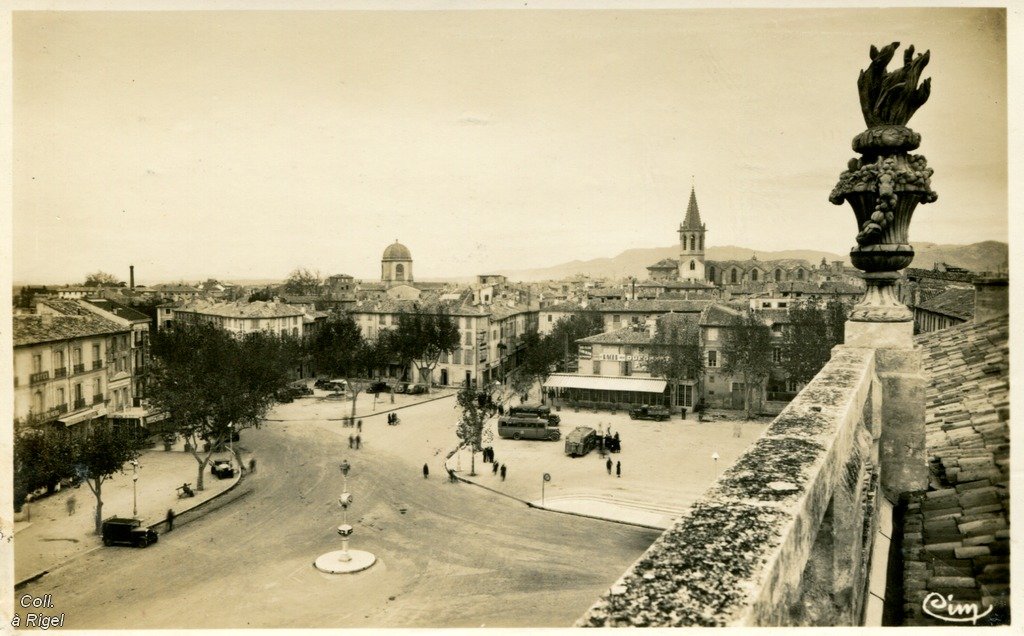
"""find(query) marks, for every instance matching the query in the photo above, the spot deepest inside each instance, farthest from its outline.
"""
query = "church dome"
(397, 252)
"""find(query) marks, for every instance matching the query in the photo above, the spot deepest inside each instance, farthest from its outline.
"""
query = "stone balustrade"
(784, 536)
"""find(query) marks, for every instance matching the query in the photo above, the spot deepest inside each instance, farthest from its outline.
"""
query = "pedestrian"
(358, 441)
(618, 469)
(494, 468)
(351, 441)
(170, 519)
(608, 465)
(252, 465)
(359, 426)
(503, 472)
(684, 412)
(71, 504)
(451, 475)
(501, 409)
(426, 471)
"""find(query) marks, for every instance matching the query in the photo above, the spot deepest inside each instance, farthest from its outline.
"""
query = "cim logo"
(946, 609)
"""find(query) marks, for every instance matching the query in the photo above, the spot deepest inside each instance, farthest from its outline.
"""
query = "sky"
(242, 145)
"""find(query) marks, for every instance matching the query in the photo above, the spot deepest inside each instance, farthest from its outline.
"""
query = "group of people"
(618, 467)
(355, 442)
(392, 419)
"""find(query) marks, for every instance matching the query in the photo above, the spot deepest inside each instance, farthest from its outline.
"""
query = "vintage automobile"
(536, 410)
(299, 389)
(222, 468)
(416, 389)
(580, 441)
(659, 413)
(127, 532)
(377, 386)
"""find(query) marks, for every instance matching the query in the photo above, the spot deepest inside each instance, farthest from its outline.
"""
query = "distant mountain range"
(977, 257)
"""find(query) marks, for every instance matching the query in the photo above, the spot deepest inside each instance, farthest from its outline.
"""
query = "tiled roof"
(692, 220)
(121, 311)
(652, 305)
(956, 537)
(563, 307)
(35, 329)
(956, 302)
(625, 335)
(718, 314)
(66, 307)
(256, 309)
(665, 263)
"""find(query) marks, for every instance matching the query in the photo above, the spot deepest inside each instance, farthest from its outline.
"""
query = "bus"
(510, 426)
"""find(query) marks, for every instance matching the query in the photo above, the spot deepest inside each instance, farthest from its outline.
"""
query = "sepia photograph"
(333, 315)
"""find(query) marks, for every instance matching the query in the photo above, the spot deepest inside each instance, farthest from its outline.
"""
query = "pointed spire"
(692, 220)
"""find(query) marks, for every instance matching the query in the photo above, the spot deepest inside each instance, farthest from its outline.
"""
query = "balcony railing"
(60, 373)
(96, 399)
(97, 364)
(39, 376)
(79, 403)
(79, 368)
(62, 408)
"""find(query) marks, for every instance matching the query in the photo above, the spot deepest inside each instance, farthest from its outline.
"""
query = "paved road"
(457, 556)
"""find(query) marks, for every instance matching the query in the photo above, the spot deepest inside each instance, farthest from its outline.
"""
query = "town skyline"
(485, 141)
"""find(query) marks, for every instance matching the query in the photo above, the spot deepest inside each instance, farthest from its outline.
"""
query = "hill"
(978, 257)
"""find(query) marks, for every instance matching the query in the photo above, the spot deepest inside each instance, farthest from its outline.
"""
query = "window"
(616, 318)
(712, 333)
(549, 317)
(712, 358)
(37, 402)
(737, 386)
(777, 354)
(96, 351)
(799, 274)
(783, 305)
(702, 242)
(597, 367)
(777, 328)
(457, 356)
(60, 396)
(778, 275)
(693, 266)
(399, 272)
(733, 275)
(37, 363)
(753, 275)
(693, 242)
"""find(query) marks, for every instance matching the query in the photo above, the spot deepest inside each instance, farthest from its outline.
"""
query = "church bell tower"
(691, 243)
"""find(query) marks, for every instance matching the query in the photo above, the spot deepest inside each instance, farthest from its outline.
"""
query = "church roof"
(397, 252)
(665, 263)
(692, 220)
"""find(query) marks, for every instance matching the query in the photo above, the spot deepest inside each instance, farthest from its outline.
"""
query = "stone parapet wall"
(783, 537)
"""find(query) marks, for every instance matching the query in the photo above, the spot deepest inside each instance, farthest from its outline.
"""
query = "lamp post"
(714, 457)
(344, 561)
(135, 489)
(231, 438)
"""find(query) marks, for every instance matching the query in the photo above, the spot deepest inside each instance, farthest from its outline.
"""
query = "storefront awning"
(605, 383)
(144, 415)
(75, 418)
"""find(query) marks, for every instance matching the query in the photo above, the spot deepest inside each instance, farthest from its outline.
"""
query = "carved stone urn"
(885, 184)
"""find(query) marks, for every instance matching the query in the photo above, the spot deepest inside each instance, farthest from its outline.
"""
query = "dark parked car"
(416, 389)
(284, 396)
(377, 387)
(659, 413)
(299, 389)
(127, 532)
(536, 410)
(322, 383)
(402, 387)
(222, 468)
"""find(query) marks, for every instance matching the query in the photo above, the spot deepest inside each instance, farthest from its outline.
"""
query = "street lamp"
(135, 488)
(231, 438)
(344, 561)
(714, 456)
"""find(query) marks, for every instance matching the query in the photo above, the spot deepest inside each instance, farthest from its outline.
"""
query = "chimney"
(131, 277)
(991, 297)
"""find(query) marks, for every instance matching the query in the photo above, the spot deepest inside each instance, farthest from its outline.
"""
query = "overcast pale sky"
(244, 144)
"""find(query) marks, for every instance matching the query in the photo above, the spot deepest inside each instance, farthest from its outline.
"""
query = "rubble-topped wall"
(780, 539)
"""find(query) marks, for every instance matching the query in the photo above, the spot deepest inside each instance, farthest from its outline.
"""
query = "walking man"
(608, 465)
(426, 471)
(170, 519)
(618, 469)
(494, 468)
(359, 426)
(351, 441)
(503, 472)
(357, 441)
(252, 465)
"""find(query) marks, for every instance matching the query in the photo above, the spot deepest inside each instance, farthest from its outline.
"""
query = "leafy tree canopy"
(303, 282)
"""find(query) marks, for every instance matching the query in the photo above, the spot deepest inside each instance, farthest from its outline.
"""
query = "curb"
(153, 526)
(536, 507)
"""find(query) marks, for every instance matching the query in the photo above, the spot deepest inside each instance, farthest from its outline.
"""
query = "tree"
(747, 351)
(810, 336)
(422, 336)
(103, 450)
(264, 294)
(340, 350)
(43, 456)
(214, 384)
(477, 407)
(571, 328)
(676, 352)
(539, 356)
(303, 282)
(102, 279)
